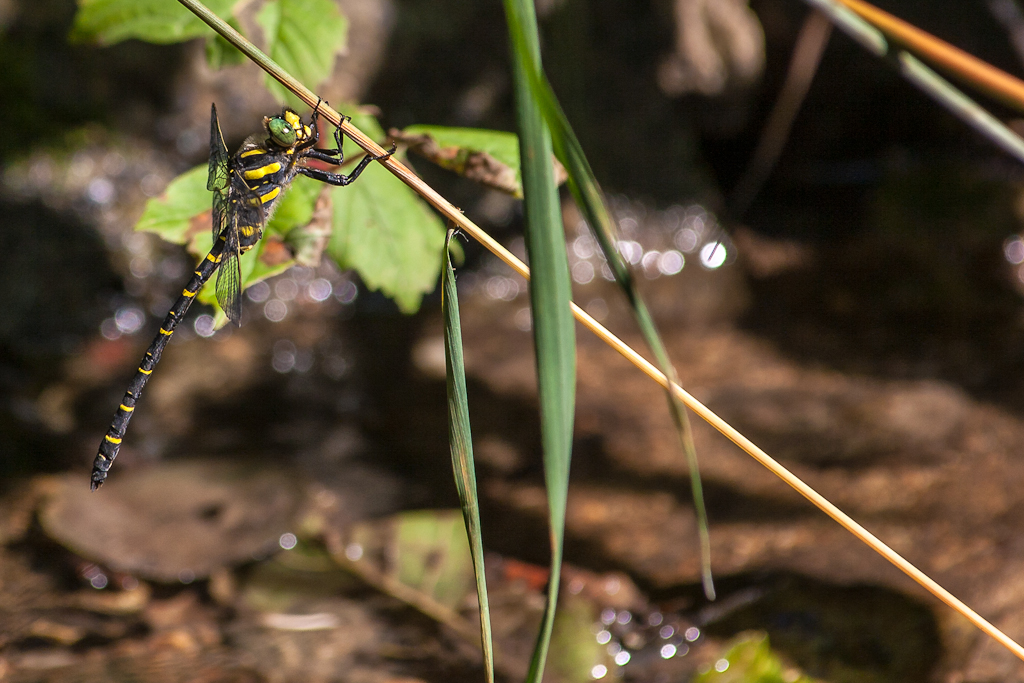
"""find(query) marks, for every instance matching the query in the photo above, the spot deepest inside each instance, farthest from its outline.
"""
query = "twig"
(996, 82)
(921, 75)
(810, 44)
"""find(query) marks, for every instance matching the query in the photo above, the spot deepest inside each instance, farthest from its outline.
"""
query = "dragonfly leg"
(341, 179)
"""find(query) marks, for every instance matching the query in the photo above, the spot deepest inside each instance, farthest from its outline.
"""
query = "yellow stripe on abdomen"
(270, 196)
(257, 173)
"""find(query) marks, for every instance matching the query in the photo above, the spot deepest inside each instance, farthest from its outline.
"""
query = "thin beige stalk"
(453, 214)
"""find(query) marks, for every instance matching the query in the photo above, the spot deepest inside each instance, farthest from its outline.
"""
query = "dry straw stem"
(455, 215)
(996, 82)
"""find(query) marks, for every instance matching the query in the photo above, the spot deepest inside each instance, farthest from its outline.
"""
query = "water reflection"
(283, 359)
(129, 319)
(258, 292)
(275, 311)
(713, 255)
(655, 242)
(204, 325)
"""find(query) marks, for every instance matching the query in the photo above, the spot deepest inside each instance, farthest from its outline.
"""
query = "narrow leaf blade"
(588, 196)
(460, 440)
(550, 294)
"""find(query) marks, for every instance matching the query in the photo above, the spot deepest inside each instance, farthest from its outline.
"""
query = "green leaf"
(460, 440)
(387, 233)
(501, 145)
(457, 146)
(172, 215)
(420, 556)
(554, 331)
(750, 659)
(155, 21)
(303, 36)
(295, 208)
(180, 215)
(574, 650)
(424, 537)
(381, 228)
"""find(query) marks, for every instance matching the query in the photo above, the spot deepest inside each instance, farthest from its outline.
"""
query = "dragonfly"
(246, 188)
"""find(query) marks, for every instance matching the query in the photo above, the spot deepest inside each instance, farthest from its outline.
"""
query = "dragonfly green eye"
(281, 131)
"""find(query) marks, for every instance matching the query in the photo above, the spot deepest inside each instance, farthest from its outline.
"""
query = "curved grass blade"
(460, 441)
(554, 333)
(588, 196)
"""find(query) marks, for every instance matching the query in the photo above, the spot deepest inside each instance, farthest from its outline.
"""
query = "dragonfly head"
(287, 129)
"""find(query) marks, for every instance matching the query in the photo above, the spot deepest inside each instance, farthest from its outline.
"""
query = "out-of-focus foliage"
(156, 21)
(383, 230)
(750, 659)
(303, 36)
(487, 156)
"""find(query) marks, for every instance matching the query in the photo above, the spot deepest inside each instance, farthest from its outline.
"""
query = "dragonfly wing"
(245, 221)
(218, 178)
(219, 218)
(229, 294)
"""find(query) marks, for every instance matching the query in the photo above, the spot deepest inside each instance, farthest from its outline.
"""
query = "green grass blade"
(460, 441)
(550, 293)
(588, 196)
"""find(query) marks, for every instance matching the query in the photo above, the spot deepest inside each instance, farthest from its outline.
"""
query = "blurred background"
(861, 318)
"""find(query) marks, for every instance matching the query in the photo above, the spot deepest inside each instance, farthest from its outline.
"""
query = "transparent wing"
(229, 294)
(218, 178)
(217, 181)
(219, 218)
(245, 216)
